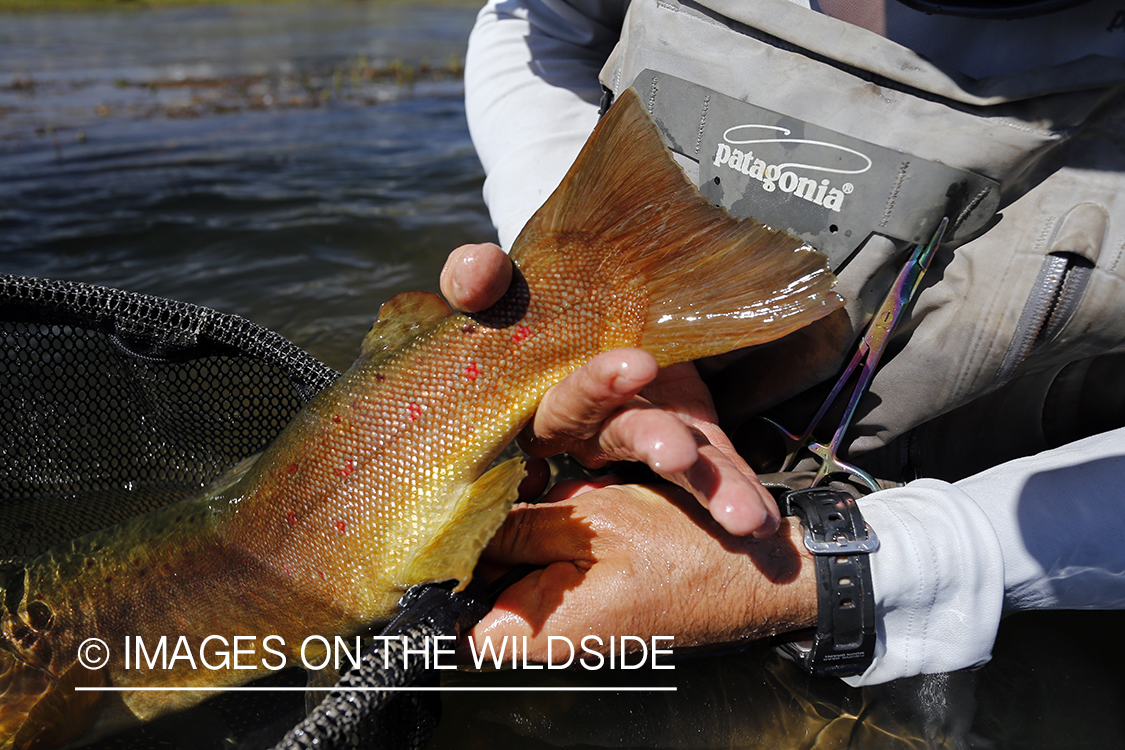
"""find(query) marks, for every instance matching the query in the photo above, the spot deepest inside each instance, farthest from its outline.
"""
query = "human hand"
(642, 561)
(474, 277)
(621, 407)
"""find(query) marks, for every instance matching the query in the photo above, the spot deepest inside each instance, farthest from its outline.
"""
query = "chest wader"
(1015, 340)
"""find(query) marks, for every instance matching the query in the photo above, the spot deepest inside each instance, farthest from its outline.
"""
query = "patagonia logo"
(811, 177)
(831, 189)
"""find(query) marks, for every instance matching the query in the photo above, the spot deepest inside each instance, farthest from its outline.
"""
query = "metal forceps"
(871, 347)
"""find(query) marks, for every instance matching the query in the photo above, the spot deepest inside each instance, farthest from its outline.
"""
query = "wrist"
(843, 642)
(784, 595)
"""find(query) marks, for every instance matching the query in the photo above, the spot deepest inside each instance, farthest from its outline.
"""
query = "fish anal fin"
(325, 677)
(402, 318)
(713, 283)
(452, 550)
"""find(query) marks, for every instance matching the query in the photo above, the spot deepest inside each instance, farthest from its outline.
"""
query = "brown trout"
(380, 483)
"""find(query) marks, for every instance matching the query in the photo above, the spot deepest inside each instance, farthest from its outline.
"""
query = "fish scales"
(438, 413)
(382, 481)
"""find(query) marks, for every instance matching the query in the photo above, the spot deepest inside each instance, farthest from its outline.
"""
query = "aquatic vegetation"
(356, 82)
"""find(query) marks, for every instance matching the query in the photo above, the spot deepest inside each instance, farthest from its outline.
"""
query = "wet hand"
(475, 276)
(620, 406)
(642, 561)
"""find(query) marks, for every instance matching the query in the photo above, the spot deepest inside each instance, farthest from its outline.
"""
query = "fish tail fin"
(712, 283)
(454, 547)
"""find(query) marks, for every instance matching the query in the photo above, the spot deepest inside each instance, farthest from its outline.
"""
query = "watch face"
(990, 8)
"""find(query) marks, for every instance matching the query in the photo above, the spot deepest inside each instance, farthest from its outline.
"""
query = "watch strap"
(840, 540)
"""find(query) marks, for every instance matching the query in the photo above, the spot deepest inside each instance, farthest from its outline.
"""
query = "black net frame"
(113, 403)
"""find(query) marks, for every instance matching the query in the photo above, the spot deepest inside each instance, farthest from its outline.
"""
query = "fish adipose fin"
(713, 283)
(454, 547)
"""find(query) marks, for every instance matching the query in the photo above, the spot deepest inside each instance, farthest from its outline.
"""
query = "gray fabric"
(991, 319)
(824, 187)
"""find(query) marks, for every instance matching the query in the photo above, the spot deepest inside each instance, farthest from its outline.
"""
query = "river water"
(299, 163)
(295, 163)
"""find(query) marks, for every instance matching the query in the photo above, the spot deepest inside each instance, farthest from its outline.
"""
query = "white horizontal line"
(451, 688)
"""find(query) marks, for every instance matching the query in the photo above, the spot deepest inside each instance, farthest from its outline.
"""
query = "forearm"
(1058, 516)
(532, 96)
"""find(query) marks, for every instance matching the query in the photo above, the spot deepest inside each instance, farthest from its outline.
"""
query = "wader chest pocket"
(1058, 290)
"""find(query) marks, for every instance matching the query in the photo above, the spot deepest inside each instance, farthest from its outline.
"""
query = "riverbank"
(27, 6)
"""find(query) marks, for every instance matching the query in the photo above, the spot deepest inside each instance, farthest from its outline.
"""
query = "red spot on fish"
(470, 328)
(341, 526)
(287, 571)
(291, 468)
(415, 410)
(346, 469)
(380, 377)
(321, 574)
(472, 370)
(291, 519)
(521, 333)
(336, 418)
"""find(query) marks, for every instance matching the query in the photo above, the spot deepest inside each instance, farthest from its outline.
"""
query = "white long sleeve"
(1042, 532)
(532, 96)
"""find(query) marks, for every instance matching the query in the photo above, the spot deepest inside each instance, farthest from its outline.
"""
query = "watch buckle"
(841, 545)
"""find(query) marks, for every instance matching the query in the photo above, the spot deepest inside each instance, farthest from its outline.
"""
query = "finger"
(537, 479)
(575, 409)
(730, 492)
(641, 432)
(714, 474)
(545, 601)
(718, 438)
(718, 477)
(475, 277)
(723, 484)
(559, 537)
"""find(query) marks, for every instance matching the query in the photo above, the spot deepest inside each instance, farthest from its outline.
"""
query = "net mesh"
(113, 403)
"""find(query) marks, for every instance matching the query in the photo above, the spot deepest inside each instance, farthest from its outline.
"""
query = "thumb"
(549, 531)
(528, 610)
(475, 277)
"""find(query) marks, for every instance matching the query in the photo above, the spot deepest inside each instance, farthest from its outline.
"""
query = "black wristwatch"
(840, 540)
